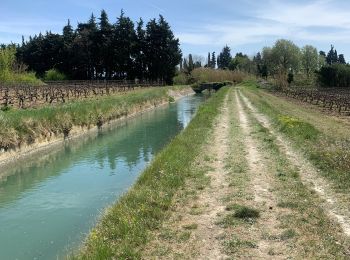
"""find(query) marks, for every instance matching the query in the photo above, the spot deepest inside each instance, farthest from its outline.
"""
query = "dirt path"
(208, 232)
(192, 231)
(265, 200)
(308, 173)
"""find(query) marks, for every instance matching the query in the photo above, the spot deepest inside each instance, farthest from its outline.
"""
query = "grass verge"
(307, 228)
(328, 151)
(125, 226)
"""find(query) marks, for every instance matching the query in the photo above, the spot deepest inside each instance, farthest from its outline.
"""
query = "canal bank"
(45, 138)
(49, 203)
(125, 227)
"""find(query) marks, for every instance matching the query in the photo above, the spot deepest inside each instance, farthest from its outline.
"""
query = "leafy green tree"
(309, 59)
(321, 59)
(242, 62)
(285, 56)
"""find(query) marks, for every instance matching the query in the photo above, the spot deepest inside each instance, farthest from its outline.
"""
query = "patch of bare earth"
(268, 225)
(333, 204)
(191, 232)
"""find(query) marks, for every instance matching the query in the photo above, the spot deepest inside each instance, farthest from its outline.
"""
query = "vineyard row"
(337, 99)
(27, 96)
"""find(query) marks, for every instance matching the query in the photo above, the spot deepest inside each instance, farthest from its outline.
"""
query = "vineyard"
(333, 99)
(27, 96)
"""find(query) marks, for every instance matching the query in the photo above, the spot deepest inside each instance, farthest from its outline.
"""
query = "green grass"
(125, 227)
(328, 151)
(234, 244)
(24, 126)
(243, 212)
(307, 226)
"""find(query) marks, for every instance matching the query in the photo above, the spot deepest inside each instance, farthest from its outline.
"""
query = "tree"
(258, 63)
(332, 56)
(341, 59)
(321, 59)
(224, 58)
(163, 52)
(309, 59)
(242, 62)
(209, 61)
(213, 61)
(285, 56)
(268, 66)
(190, 63)
(140, 56)
(125, 38)
(68, 38)
(105, 47)
(104, 51)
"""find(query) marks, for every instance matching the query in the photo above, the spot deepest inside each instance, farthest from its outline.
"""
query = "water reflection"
(48, 202)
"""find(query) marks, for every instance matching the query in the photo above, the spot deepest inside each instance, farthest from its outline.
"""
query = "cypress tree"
(213, 60)
(224, 58)
(341, 59)
(190, 63)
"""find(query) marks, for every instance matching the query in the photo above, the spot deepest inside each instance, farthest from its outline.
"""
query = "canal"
(49, 202)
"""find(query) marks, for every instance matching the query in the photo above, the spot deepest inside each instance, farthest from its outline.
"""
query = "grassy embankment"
(125, 226)
(307, 228)
(19, 127)
(323, 138)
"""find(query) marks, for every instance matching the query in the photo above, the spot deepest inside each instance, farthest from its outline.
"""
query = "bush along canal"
(48, 203)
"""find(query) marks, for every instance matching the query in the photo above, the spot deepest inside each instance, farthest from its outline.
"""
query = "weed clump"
(244, 212)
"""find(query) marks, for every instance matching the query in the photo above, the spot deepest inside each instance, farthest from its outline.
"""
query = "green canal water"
(49, 202)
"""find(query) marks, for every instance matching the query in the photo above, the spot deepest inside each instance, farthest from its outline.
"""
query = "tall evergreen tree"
(332, 56)
(224, 58)
(341, 59)
(163, 50)
(190, 63)
(213, 61)
(68, 38)
(105, 47)
(140, 52)
(125, 38)
(102, 50)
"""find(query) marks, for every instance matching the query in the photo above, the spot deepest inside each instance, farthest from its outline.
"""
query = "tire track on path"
(308, 173)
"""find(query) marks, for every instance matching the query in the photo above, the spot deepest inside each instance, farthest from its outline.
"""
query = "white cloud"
(322, 13)
(277, 19)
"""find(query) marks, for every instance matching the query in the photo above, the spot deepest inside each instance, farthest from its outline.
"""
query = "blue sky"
(201, 25)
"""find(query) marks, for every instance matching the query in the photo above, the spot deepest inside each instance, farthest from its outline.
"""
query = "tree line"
(286, 62)
(98, 49)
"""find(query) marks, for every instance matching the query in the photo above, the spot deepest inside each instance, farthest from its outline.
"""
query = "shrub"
(336, 75)
(211, 75)
(8, 71)
(54, 75)
(244, 212)
(181, 79)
